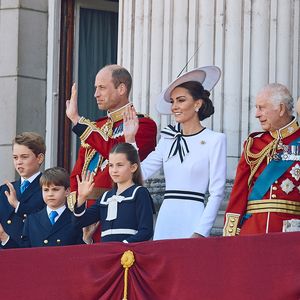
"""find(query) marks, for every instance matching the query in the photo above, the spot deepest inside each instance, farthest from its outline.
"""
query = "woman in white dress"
(193, 157)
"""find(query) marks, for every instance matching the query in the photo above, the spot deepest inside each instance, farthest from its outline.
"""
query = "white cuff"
(135, 146)
(5, 242)
(17, 207)
(89, 242)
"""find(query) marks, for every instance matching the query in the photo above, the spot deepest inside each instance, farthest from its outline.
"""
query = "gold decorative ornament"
(268, 206)
(231, 224)
(106, 129)
(254, 160)
(127, 260)
(71, 200)
(92, 126)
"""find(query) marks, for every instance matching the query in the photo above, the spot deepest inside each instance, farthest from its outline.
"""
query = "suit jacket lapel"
(44, 221)
(62, 221)
(17, 185)
(32, 188)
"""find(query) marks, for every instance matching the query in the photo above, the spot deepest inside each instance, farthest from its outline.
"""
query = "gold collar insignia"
(117, 115)
(285, 131)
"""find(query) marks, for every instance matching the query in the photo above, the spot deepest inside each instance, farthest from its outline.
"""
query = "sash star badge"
(296, 172)
(287, 186)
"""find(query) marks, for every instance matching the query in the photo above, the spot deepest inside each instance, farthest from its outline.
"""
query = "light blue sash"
(270, 174)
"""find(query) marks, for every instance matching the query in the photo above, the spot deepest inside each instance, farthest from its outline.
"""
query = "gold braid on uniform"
(105, 131)
(254, 160)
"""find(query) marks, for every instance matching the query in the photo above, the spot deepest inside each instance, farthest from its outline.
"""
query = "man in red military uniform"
(266, 190)
(112, 88)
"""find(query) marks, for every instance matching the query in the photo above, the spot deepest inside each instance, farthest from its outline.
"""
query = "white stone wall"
(254, 42)
(23, 51)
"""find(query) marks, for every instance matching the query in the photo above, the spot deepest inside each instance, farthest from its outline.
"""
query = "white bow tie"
(112, 209)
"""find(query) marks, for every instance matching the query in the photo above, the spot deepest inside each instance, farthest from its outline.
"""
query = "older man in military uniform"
(266, 190)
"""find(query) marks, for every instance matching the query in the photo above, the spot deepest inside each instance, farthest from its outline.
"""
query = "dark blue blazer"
(30, 201)
(38, 231)
(134, 213)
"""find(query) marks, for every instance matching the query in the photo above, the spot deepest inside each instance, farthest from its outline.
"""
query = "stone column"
(23, 39)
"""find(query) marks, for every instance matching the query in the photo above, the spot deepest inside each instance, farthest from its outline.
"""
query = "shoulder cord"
(254, 160)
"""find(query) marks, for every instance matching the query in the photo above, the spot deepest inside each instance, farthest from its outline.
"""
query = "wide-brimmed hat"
(207, 76)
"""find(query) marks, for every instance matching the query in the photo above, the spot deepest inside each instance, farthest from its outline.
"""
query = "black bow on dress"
(179, 145)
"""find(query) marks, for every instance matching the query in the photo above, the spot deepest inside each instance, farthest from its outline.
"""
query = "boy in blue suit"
(52, 226)
(20, 198)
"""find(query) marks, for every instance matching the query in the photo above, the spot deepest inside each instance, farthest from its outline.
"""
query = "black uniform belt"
(184, 195)
(278, 205)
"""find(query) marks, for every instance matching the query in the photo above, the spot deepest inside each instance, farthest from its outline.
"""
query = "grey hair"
(279, 93)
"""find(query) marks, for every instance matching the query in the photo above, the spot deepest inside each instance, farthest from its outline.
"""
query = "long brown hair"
(133, 157)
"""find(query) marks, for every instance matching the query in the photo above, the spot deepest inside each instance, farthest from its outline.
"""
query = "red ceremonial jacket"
(282, 199)
(101, 136)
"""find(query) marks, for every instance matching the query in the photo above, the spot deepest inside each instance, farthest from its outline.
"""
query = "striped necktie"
(24, 186)
(52, 216)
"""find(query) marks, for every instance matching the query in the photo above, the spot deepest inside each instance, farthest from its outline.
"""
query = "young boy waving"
(52, 226)
(20, 198)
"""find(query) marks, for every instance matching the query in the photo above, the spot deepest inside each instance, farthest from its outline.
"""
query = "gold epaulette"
(105, 131)
(231, 225)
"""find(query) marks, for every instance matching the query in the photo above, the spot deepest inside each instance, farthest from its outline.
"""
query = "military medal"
(291, 152)
(287, 185)
(296, 172)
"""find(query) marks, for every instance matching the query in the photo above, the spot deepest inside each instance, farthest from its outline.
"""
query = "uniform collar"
(117, 115)
(285, 131)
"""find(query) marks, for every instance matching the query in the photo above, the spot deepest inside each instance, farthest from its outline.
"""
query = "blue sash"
(271, 173)
(92, 167)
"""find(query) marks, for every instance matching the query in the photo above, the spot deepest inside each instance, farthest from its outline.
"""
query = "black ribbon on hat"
(179, 145)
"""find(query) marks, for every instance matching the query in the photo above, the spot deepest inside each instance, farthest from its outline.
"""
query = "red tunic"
(95, 140)
(96, 137)
(286, 188)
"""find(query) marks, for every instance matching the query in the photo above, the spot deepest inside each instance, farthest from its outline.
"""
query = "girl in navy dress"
(126, 211)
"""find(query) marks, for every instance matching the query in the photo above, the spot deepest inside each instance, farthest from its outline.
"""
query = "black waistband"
(184, 195)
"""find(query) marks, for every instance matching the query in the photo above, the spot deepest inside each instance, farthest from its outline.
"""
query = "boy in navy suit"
(20, 198)
(52, 226)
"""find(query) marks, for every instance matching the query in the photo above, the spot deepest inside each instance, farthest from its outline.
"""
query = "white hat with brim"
(207, 76)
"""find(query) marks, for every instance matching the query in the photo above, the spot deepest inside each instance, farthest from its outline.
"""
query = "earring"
(196, 109)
